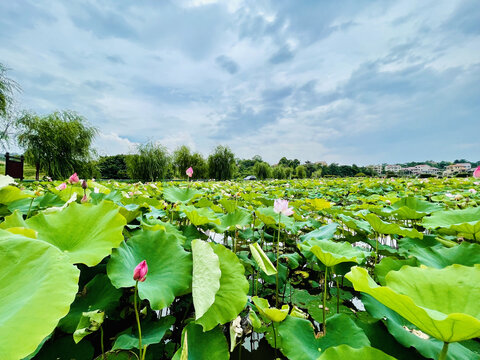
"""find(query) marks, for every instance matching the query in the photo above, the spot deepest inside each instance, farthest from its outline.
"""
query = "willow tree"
(183, 158)
(221, 163)
(150, 163)
(7, 89)
(58, 143)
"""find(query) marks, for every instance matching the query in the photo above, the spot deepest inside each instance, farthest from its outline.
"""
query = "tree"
(199, 165)
(7, 115)
(221, 163)
(262, 170)
(58, 143)
(301, 172)
(113, 167)
(288, 172)
(182, 160)
(279, 172)
(151, 163)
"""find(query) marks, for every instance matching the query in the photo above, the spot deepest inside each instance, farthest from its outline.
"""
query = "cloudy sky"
(350, 82)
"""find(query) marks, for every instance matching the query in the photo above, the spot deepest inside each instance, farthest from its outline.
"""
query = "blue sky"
(350, 82)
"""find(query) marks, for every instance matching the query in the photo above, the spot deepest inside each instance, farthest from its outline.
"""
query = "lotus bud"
(61, 187)
(476, 173)
(73, 179)
(189, 172)
(84, 199)
(84, 184)
(140, 272)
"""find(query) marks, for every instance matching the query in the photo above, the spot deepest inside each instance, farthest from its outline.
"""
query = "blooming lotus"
(281, 207)
(140, 272)
(73, 179)
(476, 173)
(189, 172)
(61, 187)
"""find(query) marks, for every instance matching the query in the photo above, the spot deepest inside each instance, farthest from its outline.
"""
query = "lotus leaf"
(467, 254)
(466, 222)
(175, 194)
(331, 253)
(200, 216)
(262, 259)
(386, 228)
(432, 299)
(275, 315)
(343, 352)
(202, 345)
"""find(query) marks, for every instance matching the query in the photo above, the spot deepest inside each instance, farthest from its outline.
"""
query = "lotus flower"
(140, 272)
(73, 179)
(84, 199)
(189, 172)
(84, 184)
(61, 187)
(281, 207)
(476, 173)
(473, 191)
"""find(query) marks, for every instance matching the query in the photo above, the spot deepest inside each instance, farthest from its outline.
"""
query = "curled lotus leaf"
(273, 314)
(331, 253)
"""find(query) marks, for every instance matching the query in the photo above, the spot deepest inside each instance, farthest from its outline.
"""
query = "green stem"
(30, 207)
(376, 248)
(274, 339)
(138, 321)
(338, 290)
(443, 353)
(325, 301)
(101, 342)
(278, 255)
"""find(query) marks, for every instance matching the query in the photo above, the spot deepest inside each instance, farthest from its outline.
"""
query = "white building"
(377, 168)
(422, 169)
(457, 168)
(393, 168)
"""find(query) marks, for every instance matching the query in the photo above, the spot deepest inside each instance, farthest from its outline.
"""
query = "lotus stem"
(278, 255)
(30, 208)
(140, 350)
(325, 282)
(101, 342)
(443, 353)
(338, 290)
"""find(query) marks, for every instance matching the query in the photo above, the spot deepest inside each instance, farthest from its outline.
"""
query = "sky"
(349, 82)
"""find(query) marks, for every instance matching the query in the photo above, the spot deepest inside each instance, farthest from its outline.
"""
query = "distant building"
(422, 169)
(393, 168)
(377, 168)
(457, 168)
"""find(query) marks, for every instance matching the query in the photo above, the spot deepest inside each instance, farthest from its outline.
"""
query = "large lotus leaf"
(391, 264)
(167, 227)
(262, 259)
(169, 267)
(273, 314)
(200, 216)
(86, 233)
(355, 224)
(343, 352)
(9, 194)
(331, 253)
(37, 286)
(90, 322)
(65, 348)
(386, 228)
(432, 299)
(318, 204)
(466, 222)
(269, 217)
(409, 336)
(98, 294)
(299, 342)
(14, 220)
(202, 345)
(39, 203)
(413, 208)
(232, 295)
(6, 180)
(467, 254)
(174, 194)
(152, 333)
(234, 220)
(205, 278)
(323, 233)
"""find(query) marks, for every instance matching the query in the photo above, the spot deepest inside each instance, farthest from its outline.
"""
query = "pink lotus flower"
(84, 199)
(281, 207)
(73, 179)
(140, 272)
(61, 187)
(473, 191)
(189, 172)
(476, 173)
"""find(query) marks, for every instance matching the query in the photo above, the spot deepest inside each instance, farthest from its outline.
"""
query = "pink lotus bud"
(476, 173)
(84, 199)
(84, 184)
(189, 172)
(281, 206)
(73, 179)
(62, 186)
(140, 272)
(473, 191)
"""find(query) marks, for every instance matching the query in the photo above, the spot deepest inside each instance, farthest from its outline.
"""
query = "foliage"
(151, 163)
(301, 172)
(262, 170)
(221, 163)
(58, 143)
(113, 167)
(183, 159)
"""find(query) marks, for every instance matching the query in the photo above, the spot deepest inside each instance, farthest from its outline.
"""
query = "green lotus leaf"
(9, 194)
(89, 323)
(169, 267)
(152, 333)
(229, 205)
(65, 348)
(234, 220)
(299, 342)
(174, 194)
(6, 180)
(98, 294)
(13, 220)
(386, 228)
(262, 259)
(323, 233)
(202, 345)
(355, 224)
(432, 299)
(200, 216)
(269, 217)
(343, 352)
(466, 222)
(408, 334)
(86, 233)
(37, 286)
(231, 298)
(39, 203)
(413, 208)
(331, 253)
(467, 254)
(205, 278)
(273, 314)
(388, 264)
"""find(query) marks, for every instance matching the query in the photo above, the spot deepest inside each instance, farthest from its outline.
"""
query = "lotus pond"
(347, 269)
